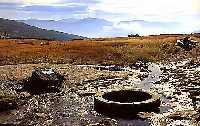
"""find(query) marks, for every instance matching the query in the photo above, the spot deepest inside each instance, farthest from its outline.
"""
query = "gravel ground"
(177, 84)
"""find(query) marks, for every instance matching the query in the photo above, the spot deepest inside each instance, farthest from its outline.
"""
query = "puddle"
(134, 123)
(153, 76)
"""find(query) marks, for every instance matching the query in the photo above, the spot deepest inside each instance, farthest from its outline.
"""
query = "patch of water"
(153, 76)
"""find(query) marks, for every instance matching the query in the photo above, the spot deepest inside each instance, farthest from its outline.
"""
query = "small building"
(133, 35)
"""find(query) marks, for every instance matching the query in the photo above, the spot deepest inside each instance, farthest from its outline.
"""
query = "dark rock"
(158, 82)
(178, 116)
(139, 65)
(7, 104)
(143, 70)
(177, 92)
(143, 76)
(165, 79)
(164, 69)
(44, 80)
(7, 101)
(115, 68)
(186, 43)
(169, 97)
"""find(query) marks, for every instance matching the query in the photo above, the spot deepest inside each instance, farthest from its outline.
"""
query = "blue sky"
(184, 12)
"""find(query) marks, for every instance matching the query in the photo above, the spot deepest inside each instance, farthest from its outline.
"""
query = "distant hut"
(133, 35)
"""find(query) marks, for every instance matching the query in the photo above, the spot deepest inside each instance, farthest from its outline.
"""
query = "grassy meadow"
(106, 51)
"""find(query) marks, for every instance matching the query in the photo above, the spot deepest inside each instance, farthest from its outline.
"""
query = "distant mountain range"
(198, 31)
(15, 29)
(89, 27)
(94, 27)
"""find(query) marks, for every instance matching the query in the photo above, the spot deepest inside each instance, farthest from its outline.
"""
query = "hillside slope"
(89, 27)
(14, 29)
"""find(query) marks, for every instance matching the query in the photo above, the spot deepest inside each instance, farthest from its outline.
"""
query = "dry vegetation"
(94, 51)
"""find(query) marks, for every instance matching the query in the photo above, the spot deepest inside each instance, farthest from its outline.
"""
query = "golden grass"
(95, 51)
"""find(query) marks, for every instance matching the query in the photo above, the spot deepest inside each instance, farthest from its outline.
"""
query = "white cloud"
(13, 1)
(149, 28)
(165, 10)
(41, 2)
(157, 10)
(34, 2)
(196, 5)
(184, 12)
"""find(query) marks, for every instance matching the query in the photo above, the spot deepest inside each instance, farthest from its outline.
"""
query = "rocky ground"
(177, 83)
(179, 88)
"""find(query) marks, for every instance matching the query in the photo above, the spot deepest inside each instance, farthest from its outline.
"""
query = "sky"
(185, 13)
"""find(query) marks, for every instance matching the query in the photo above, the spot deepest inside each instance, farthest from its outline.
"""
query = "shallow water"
(153, 76)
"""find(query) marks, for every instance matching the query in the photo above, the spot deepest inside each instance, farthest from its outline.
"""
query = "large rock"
(187, 43)
(44, 80)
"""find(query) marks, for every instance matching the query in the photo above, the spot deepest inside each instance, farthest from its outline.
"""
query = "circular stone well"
(126, 102)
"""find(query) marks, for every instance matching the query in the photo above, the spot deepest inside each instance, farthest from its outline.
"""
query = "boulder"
(186, 43)
(44, 80)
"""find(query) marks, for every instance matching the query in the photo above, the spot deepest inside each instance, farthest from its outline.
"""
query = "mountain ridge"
(97, 27)
(16, 29)
(89, 27)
